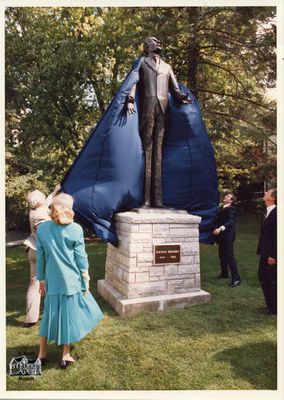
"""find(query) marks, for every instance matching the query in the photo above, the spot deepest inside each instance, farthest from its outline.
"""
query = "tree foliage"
(63, 66)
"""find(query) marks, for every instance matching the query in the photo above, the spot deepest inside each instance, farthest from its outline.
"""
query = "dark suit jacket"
(267, 245)
(154, 82)
(226, 216)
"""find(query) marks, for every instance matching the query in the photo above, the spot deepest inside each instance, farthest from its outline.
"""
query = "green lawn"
(227, 344)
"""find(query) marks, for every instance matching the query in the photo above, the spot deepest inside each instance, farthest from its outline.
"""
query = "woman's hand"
(56, 190)
(86, 279)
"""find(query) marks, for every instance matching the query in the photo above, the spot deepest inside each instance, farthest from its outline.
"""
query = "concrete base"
(133, 306)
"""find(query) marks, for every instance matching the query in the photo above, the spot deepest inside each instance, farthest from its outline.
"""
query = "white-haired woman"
(70, 311)
(39, 212)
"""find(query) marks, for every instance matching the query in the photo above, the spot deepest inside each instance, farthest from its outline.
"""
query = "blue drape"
(107, 175)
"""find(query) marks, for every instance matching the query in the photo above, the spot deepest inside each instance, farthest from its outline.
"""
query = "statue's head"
(153, 45)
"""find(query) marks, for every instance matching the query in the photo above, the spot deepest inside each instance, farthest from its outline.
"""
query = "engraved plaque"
(167, 253)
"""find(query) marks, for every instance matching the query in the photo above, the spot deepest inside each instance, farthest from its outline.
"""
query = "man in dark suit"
(267, 251)
(225, 236)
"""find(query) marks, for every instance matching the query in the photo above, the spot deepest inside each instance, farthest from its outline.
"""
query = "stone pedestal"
(134, 282)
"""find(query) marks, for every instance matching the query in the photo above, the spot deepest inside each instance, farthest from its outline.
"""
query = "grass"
(227, 344)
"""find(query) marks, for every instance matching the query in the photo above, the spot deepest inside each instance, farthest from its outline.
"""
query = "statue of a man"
(108, 174)
(155, 79)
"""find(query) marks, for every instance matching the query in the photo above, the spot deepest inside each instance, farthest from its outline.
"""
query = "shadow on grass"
(13, 320)
(252, 357)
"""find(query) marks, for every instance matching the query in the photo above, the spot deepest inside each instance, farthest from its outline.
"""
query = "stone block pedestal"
(136, 280)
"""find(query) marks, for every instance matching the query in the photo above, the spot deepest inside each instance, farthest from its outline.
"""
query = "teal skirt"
(67, 319)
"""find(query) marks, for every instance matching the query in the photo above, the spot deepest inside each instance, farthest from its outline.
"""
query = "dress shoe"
(28, 324)
(65, 363)
(235, 283)
(270, 312)
(43, 360)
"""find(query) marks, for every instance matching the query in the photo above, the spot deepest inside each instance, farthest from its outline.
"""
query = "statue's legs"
(152, 134)
(159, 131)
(147, 140)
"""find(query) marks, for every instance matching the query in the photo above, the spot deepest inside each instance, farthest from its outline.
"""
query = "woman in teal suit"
(70, 311)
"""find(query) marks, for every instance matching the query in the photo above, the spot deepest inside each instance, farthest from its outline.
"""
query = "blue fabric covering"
(107, 175)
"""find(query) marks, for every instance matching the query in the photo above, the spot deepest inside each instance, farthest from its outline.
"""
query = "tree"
(63, 66)
(227, 56)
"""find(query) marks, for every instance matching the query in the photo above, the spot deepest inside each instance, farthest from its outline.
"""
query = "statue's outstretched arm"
(130, 100)
(178, 95)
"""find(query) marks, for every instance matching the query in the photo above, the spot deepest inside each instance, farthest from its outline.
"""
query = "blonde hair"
(35, 199)
(61, 209)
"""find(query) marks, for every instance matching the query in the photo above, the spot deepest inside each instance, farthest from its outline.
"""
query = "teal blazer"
(61, 257)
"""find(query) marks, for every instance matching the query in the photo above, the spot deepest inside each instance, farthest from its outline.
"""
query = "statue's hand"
(187, 101)
(130, 108)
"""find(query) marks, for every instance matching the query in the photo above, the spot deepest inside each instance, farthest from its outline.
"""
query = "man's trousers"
(33, 294)
(267, 275)
(227, 258)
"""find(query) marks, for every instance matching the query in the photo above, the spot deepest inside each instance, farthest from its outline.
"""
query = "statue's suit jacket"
(155, 81)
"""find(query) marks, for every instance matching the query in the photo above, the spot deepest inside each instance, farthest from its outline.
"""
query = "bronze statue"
(155, 79)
